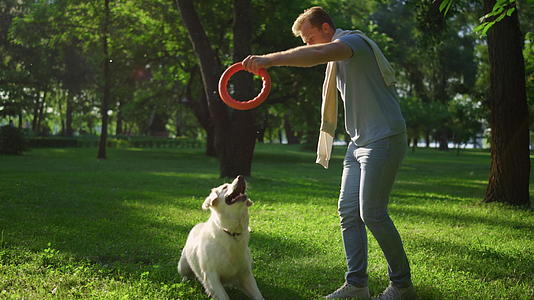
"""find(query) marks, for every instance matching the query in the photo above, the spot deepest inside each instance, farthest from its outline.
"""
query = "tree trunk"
(416, 78)
(242, 139)
(36, 107)
(292, 138)
(231, 135)
(106, 93)
(68, 115)
(157, 126)
(178, 123)
(201, 112)
(261, 133)
(510, 164)
(119, 130)
(210, 69)
(39, 126)
(443, 140)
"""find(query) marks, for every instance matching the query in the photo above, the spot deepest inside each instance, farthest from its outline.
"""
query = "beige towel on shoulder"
(329, 95)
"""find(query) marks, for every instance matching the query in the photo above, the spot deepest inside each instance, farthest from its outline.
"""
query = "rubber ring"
(243, 105)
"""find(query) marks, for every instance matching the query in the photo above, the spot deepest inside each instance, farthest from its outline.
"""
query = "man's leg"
(379, 163)
(352, 226)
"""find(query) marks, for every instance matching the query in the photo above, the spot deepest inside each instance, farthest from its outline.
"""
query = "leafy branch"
(501, 9)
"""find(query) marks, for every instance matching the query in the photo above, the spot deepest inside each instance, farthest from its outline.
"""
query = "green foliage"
(461, 118)
(467, 120)
(416, 116)
(445, 5)
(501, 9)
(53, 48)
(12, 140)
(58, 45)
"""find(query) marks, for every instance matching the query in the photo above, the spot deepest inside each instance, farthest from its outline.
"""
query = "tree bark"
(201, 112)
(443, 140)
(36, 106)
(210, 69)
(68, 115)
(41, 113)
(107, 86)
(242, 140)
(20, 119)
(231, 133)
(157, 126)
(292, 138)
(510, 163)
(119, 130)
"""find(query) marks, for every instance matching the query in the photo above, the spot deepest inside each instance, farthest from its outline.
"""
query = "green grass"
(75, 227)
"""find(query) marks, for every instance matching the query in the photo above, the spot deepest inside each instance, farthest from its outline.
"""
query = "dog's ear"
(211, 200)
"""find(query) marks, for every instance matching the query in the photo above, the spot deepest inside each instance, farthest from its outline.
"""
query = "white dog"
(217, 251)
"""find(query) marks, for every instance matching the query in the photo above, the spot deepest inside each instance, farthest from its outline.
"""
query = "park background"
(113, 106)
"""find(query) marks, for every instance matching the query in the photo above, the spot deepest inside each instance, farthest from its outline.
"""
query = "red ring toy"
(243, 105)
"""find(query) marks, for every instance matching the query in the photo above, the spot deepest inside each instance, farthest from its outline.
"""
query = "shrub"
(52, 142)
(12, 140)
(113, 142)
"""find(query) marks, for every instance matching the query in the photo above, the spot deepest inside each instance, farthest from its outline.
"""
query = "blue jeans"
(368, 176)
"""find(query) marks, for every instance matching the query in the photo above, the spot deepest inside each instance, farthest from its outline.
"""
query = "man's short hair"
(315, 15)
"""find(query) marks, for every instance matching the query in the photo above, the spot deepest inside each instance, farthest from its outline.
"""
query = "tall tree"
(510, 163)
(106, 93)
(234, 130)
(73, 78)
(243, 123)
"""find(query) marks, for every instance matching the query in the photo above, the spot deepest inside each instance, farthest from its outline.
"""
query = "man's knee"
(374, 219)
(348, 216)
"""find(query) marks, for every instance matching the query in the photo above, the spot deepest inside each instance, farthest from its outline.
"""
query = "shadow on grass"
(294, 190)
(486, 263)
(291, 155)
(454, 219)
(433, 190)
(112, 213)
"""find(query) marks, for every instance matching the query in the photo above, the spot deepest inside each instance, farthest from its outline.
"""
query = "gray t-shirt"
(372, 111)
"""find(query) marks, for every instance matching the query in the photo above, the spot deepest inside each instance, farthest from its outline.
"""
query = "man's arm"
(304, 56)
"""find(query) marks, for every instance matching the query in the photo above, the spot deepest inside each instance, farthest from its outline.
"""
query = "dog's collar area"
(233, 234)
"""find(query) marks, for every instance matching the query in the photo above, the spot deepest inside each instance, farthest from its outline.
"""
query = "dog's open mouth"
(238, 194)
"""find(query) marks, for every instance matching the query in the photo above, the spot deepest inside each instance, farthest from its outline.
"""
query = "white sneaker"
(394, 293)
(349, 291)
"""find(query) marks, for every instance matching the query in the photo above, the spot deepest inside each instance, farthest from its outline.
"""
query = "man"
(357, 67)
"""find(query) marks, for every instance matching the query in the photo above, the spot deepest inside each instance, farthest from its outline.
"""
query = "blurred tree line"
(132, 67)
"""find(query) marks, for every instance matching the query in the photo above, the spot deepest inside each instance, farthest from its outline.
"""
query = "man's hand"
(253, 63)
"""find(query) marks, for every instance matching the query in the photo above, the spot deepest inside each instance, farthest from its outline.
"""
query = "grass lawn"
(75, 227)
